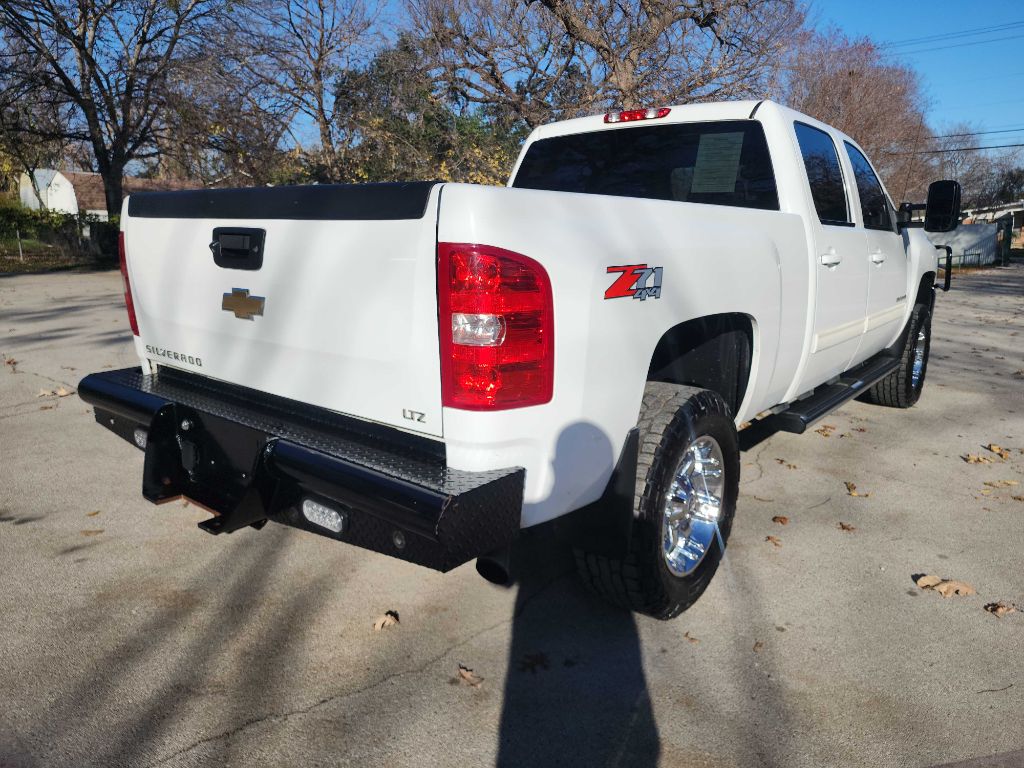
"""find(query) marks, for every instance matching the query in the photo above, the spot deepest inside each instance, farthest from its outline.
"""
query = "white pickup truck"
(423, 369)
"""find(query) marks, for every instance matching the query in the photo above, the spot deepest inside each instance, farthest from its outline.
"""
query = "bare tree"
(299, 47)
(106, 59)
(849, 84)
(512, 56)
(958, 154)
(649, 51)
(221, 124)
(556, 58)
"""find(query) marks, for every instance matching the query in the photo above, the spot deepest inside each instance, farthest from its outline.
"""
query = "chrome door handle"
(877, 257)
(830, 259)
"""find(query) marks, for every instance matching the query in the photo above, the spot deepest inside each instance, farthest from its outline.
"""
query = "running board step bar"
(805, 413)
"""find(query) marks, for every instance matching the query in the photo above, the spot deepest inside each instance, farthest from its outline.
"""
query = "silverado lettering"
(180, 357)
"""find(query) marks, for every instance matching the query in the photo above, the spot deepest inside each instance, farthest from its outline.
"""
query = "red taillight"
(127, 285)
(496, 328)
(630, 115)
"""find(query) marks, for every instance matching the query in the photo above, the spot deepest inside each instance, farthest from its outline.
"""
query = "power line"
(952, 35)
(944, 47)
(955, 149)
(978, 133)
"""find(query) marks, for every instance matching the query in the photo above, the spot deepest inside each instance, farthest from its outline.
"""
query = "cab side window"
(874, 206)
(821, 162)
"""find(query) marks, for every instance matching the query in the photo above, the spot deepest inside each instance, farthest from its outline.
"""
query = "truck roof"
(679, 113)
(684, 113)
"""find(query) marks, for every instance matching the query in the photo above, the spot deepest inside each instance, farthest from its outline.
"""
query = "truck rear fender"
(713, 352)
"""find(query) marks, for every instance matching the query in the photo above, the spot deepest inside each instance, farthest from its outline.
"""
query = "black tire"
(671, 418)
(900, 389)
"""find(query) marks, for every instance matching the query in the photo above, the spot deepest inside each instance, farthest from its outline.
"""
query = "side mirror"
(942, 213)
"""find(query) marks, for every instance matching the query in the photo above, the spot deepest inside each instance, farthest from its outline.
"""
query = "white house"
(71, 192)
(55, 189)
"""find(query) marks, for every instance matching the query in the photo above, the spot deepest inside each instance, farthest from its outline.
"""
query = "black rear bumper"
(249, 458)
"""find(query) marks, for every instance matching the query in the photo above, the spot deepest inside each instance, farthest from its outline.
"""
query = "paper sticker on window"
(718, 162)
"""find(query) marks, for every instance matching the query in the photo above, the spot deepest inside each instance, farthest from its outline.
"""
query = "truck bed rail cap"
(320, 202)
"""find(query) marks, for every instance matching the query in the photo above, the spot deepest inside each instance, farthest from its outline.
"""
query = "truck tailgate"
(337, 309)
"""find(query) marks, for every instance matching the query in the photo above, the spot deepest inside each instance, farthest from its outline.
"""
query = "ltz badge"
(636, 280)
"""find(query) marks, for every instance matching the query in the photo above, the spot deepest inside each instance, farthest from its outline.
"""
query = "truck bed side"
(715, 259)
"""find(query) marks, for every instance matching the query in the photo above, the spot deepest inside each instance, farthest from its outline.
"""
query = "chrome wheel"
(917, 367)
(692, 505)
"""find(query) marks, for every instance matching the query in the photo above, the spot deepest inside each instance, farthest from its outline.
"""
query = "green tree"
(400, 126)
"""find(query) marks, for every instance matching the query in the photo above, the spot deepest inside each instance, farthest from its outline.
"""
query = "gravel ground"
(129, 637)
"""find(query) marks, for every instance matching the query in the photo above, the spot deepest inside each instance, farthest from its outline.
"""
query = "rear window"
(719, 163)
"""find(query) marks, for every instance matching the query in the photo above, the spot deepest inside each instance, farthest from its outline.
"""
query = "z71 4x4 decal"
(633, 281)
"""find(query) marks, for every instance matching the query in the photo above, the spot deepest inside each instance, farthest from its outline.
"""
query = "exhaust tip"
(494, 566)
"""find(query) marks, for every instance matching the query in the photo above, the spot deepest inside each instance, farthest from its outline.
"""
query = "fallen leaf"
(950, 588)
(690, 637)
(773, 540)
(781, 520)
(859, 429)
(1000, 609)
(1019, 373)
(758, 645)
(1001, 483)
(63, 392)
(92, 532)
(469, 677)
(846, 526)
(999, 451)
(786, 464)
(825, 430)
(47, 407)
(851, 489)
(973, 458)
(92, 514)
(945, 587)
(1017, 498)
(389, 619)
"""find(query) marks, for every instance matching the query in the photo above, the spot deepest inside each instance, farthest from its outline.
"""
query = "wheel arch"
(711, 352)
(926, 290)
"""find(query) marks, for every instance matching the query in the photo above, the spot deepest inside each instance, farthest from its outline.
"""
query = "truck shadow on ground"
(575, 689)
(179, 667)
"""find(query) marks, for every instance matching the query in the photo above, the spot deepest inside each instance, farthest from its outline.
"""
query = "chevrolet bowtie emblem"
(242, 304)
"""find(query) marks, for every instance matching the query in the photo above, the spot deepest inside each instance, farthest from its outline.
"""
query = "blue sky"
(966, 80)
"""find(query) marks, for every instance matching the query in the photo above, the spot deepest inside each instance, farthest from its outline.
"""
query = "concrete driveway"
(129, 637)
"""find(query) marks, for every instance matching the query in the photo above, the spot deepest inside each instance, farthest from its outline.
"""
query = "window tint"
(720, 163)
(824, 174)
(874, 205)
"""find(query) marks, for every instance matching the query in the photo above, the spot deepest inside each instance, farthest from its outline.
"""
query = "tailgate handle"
(238, 247)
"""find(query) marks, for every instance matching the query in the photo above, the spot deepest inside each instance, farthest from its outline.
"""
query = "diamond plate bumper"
(249, 457)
